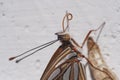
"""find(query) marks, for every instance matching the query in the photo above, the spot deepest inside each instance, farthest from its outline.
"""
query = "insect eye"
(64, 37)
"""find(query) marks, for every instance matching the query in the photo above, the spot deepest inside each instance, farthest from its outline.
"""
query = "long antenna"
(38, 48)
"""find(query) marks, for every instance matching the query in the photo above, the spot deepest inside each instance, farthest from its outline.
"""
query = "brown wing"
(81, 73)
(96, 58)
(71, 69)
(60, 53)
(63, 69)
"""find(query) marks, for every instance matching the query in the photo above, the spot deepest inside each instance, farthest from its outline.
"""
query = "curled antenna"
(68, 17)
(38, 48)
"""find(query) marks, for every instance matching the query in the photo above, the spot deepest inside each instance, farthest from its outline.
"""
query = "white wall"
(25, 24)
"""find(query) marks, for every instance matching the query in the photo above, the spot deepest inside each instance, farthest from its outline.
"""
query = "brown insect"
(66, 62)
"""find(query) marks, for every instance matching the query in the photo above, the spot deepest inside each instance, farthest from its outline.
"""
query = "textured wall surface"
(25, 24)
